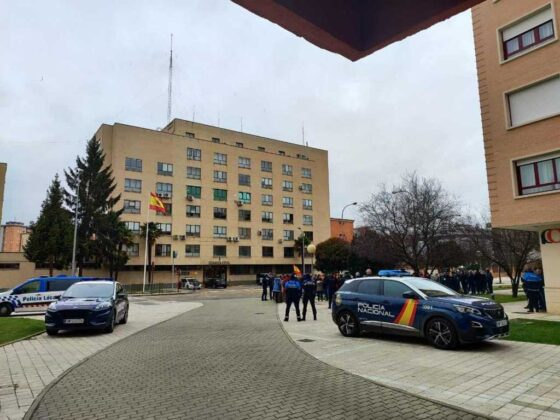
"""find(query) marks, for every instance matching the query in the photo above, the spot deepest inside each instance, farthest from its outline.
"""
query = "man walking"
(328, 286)
(292, 290)
(265, 281)
(489, 281)
(309, 290)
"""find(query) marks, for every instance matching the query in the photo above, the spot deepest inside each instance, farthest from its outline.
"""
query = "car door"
(401, 311)
(368, 303)
(29, 296)
(120, 301)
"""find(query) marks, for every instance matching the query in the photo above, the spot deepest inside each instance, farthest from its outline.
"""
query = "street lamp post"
(75, 229)
(355, 203)
(302, 236)
(311, 249)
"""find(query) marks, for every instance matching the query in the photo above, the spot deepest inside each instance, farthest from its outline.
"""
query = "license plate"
(74, 321)
(501, 323)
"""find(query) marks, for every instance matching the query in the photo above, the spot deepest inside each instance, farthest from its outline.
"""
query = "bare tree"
(413, 218)
(509, 249)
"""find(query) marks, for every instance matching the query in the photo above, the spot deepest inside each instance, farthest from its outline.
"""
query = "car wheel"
(5, 310)
(124, 319)
(52, 331)
(348, 324)
(441, 334)
(111, 326)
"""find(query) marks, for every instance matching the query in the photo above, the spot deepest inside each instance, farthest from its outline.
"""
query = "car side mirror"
(410, 295)
(121, 295)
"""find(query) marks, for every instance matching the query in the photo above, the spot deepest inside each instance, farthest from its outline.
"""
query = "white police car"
(35, 294)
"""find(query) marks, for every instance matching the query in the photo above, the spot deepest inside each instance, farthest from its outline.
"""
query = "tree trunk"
(51, 267)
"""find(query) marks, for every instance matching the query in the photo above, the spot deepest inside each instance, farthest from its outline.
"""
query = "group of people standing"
(472, 282)
(533, 286)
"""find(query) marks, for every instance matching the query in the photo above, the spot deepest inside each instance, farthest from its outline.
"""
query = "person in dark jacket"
(328, 285)
(292, 291)
(480, 282)
(464, 282)
(309, 290)
(489, 281)
(533, 284)
(270, 284)
(265, 281)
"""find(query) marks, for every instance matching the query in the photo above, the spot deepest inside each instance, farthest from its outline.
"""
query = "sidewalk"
(28, 366)
(503, 379)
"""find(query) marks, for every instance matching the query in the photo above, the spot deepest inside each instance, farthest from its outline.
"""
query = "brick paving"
(229, 359)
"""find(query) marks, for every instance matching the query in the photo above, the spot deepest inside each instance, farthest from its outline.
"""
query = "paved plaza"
(229, 359)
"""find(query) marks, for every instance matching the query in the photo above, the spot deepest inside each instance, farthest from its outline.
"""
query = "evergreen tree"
(93, 182)
(112, 243)
(50, 241)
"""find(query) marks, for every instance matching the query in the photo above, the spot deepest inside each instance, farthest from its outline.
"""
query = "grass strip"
(12, 329)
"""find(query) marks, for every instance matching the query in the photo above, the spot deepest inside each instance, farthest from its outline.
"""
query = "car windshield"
(431, 288)
(89, 290)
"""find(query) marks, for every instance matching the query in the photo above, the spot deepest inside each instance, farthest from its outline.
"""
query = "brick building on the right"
(518, 62)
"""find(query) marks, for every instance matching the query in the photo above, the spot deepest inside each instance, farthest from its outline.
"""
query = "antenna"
(303, 133)
(170, 85)
(193, 115)
(242, 124)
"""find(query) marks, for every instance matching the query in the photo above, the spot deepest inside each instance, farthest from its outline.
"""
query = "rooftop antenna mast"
(303, 133)
(170, 85)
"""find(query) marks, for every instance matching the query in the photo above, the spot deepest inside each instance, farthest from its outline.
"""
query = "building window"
(538, 176)
(244, 215)
(261, 149)
(194, 154)
(134, 165)
(133, 185)
(267, 234)
(134, 227)
(220, 176)
(288, 218)
(244, 197)
(307, 220)
(219, 250)
(244, 233)
(220, 213)
(165, 169)
(165, 228)
(194, 191)
(244, 251)
(238, 144)
(220, 231)
(266, 200)
(163, 250)
(288, 252)
(220, 195)
(220, 158)
(266, 166)
(215, 139)
(245, 179)
(266, 217)
(305, 172)
(288, 202)
(131, 206)
(193, 211)
(287, 170)
(244, 162)
(193, 172)
(266, 183)
(308, 235)
(528, 32)
(306, 188)
(189, 134)
(535, 102)
(281, 153)
(192, 250)
(267, 251)
(307, 204)
(287, 186)
(193, 230)
(168, 210)
(288, 235)
(133, 250)
(164, 190)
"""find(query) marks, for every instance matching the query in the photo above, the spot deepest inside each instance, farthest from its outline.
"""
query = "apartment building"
(13, 237)
(518, 62)
(235, 201)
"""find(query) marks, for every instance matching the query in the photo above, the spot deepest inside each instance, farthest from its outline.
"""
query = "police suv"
(417, 307)
(35, 295)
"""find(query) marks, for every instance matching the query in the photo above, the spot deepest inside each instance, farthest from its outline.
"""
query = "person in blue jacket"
(277, 289)
(533, 284)
(292, 291)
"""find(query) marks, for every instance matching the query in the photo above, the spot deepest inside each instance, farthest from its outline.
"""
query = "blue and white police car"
(35, 294)
(417, 307)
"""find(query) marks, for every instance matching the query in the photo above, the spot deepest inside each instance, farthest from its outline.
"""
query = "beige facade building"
(3, 169)
(518, 61)
(235, 201)
(13, 236)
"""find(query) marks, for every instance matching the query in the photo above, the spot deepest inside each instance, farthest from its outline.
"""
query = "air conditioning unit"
(175, 237)
(190, 198)
(235, 239)
(182, 237)
(300, 187)
(239, 203)
(259, 233)
(229, 239)
(279, 241)
(166, 195)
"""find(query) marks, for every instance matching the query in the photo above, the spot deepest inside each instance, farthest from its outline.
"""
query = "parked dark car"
(96, 305)
(190, 283)
(215, 282)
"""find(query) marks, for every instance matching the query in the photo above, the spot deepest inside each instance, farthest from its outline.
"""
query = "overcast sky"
(68, 66)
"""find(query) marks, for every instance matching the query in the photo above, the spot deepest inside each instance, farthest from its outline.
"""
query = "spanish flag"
(156, 204)
(297, 270)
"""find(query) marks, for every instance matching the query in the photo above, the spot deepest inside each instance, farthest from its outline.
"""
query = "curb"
(27, 337)
(421, 397)
(33, 407)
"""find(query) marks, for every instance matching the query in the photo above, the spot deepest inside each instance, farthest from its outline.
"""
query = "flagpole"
(146, 249)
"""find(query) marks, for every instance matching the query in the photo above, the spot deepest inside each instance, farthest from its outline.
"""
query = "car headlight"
(467, 310)
(52, 307)
(103, 305)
